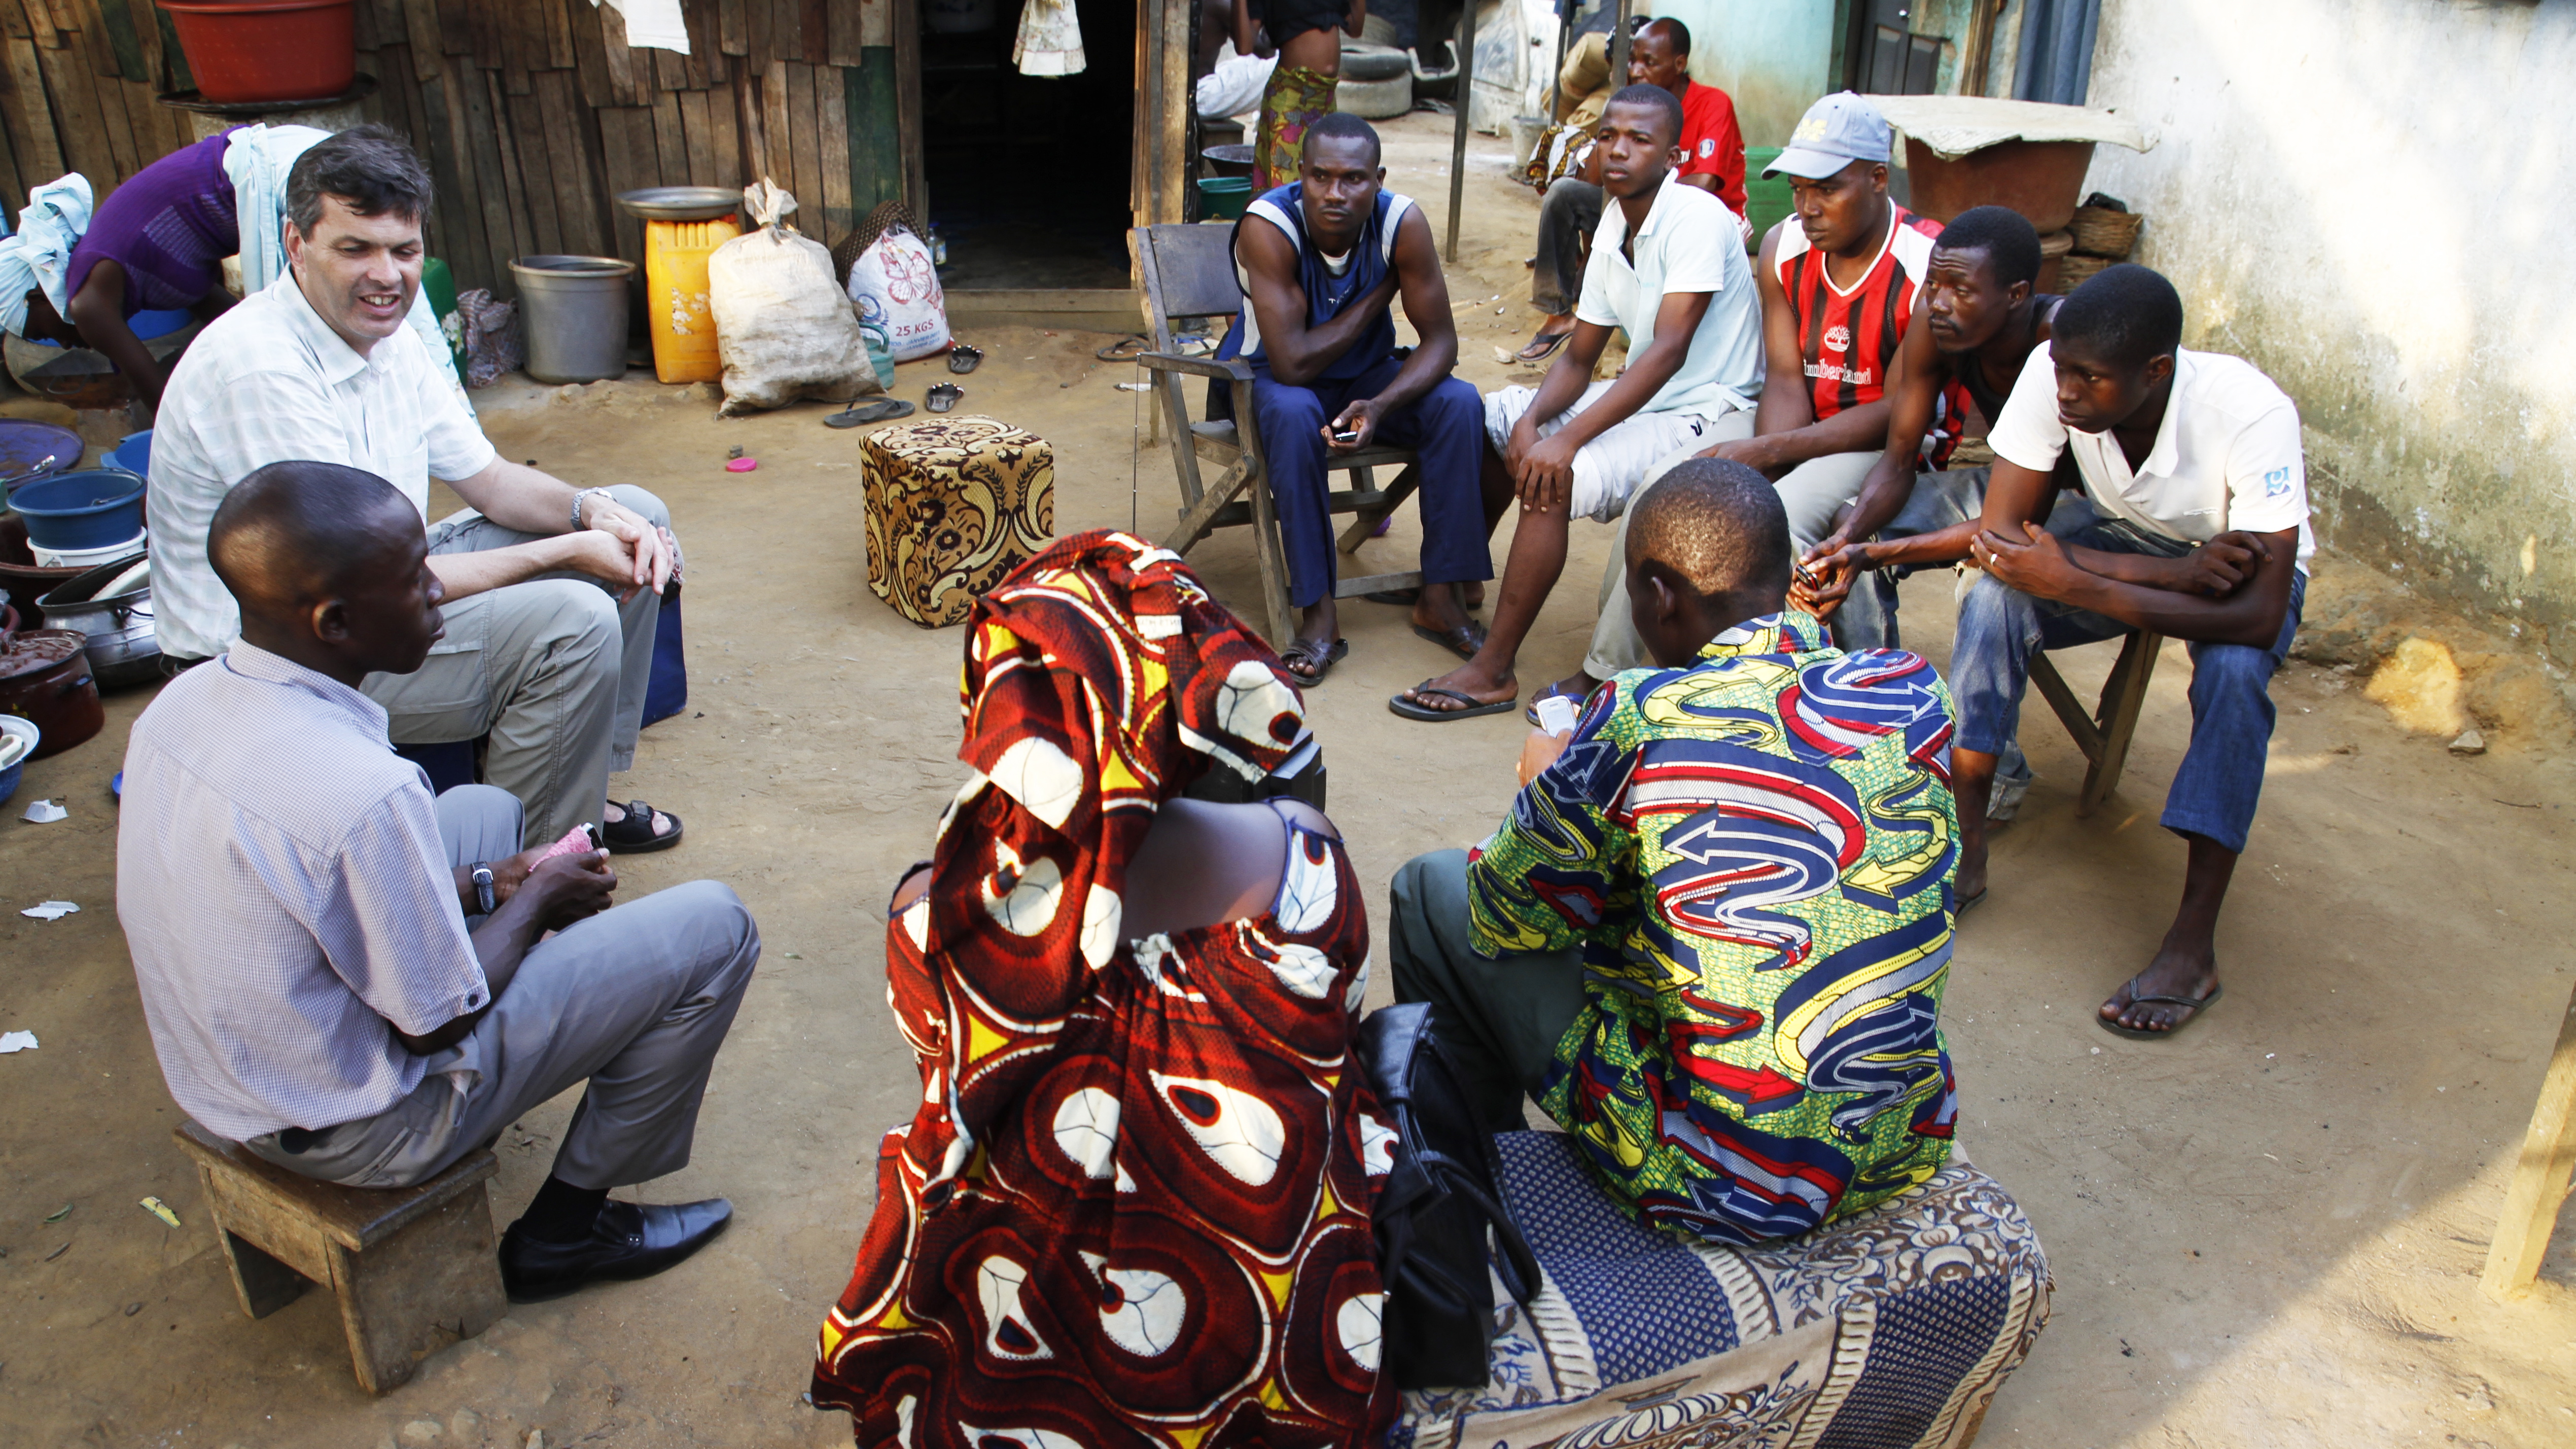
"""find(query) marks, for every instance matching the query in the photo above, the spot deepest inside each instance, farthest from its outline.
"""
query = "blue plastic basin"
(147, 326)
(133, 454)
(96, 508)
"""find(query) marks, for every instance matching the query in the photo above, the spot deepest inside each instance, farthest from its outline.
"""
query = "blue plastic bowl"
(133, 454)
(147, 326)
(95, 508)
(26, 729)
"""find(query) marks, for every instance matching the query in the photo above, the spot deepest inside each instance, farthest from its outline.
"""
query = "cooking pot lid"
(24, 444)
(34, 651)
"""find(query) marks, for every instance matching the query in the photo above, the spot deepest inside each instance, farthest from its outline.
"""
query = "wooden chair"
(2103, 735)
(2539, 1184)
(414, 1268)
(1188, 271)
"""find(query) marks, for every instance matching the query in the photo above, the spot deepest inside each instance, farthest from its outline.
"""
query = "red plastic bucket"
(268, 50)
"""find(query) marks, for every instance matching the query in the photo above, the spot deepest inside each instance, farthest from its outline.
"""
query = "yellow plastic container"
(675, 292)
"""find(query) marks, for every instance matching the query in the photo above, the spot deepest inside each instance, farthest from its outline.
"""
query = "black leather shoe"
(630, 1240)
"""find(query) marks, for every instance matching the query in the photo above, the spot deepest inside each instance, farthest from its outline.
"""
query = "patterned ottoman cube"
(954, 504)
(1890, 1329)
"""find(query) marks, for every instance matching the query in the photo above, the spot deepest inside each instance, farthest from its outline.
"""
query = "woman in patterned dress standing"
(1133, 1207)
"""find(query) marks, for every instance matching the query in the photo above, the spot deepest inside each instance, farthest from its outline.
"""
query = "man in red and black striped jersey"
(1839, 281)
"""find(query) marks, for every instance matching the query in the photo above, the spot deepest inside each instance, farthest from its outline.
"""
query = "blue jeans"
(1445, 427)
(2221, 779)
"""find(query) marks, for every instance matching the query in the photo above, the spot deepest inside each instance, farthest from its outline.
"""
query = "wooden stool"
(2539, 1184)
(2103, 736)
(414, 1268)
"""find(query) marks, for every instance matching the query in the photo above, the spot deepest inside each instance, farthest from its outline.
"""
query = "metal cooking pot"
(45, 677)
(122, 649)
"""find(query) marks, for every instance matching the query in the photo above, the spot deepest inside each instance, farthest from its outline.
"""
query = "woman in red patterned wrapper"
(1133, 1207)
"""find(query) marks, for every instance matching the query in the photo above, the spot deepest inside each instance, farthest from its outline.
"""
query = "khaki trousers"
(553, 669)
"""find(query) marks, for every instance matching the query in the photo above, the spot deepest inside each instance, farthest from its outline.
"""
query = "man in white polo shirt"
(2194, 460)
(318, 366)
(1668, 266)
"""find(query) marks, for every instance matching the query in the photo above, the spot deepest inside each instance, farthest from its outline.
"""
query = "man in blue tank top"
(1320, 262)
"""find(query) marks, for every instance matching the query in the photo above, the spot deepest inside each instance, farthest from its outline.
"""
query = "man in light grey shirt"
(345, 975)
(319, 366)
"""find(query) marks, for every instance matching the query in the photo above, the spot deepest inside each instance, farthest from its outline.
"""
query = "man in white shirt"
(2194, 460)
(1668, 266)
(346, 976)
(550, 665)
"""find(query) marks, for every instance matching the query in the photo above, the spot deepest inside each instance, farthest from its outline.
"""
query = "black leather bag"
(1440, 1219)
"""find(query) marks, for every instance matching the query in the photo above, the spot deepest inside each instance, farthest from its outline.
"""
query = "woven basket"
(2072, 271)
(2100, 232)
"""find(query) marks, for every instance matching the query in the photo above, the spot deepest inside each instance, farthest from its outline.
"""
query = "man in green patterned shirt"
(1712, 936)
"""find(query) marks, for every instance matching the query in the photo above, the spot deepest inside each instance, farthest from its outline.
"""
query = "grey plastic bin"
(573, 310)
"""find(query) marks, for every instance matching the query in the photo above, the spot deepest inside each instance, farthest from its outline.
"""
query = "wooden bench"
(2103, 736)
(2539, 1184)
(414, 1268)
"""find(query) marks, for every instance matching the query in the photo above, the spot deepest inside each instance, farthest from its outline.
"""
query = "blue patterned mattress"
(1886, 1330)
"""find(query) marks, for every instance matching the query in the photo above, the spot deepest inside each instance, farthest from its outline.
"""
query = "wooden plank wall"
(535, 114)
(532, 114)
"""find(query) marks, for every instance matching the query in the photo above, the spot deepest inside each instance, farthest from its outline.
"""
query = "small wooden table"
(414, 1268)
(2539, 1185)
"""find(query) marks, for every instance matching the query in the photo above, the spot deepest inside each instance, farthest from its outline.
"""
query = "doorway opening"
(1028, 175)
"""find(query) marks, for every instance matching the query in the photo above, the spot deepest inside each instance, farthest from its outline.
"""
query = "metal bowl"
(680, 203)
(122, 648)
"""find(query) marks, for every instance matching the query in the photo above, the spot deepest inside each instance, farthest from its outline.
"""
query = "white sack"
(783, 328)
(896, 288)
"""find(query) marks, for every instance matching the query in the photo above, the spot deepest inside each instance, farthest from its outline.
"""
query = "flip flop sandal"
(1546, 348)
(1960, 913)
(944, 396)
(964, 359)
(1314, 656)
(1550, 692)
(634, 834)
(2197, 1007)
(874, 412)
(1401, 598)
(1407, 709)
(1462, 641)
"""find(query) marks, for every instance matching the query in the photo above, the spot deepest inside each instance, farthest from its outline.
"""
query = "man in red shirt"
(1712, 148)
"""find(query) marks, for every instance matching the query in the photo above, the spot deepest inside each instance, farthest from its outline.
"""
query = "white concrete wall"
(1772, 57)
(2373, 201)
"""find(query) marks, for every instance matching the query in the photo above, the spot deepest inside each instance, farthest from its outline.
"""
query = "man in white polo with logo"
(2195, 461)
(1668, 266)
(318, 366)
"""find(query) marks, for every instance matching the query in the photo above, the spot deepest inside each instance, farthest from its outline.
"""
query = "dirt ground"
(2265, 1232)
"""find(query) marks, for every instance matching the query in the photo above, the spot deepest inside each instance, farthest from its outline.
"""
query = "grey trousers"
(1498, 1018)
(1615, 645)
(553, 669)
(636, 999)
(1567, 217)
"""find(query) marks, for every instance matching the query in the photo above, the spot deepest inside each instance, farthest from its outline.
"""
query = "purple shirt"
(170, 228)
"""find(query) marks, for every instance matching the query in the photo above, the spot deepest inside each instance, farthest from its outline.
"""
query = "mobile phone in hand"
(1352, 436)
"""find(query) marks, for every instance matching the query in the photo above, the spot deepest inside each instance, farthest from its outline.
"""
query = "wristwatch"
(577, 524)
(483, 887)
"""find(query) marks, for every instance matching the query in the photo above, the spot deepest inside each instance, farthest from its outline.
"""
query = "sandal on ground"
(1462, 641)
(1970, 903)
(1407, 709)
(1542, 347)
(2197, 1006)
(964, 359)
(870, 412)
(944, 396)
(1315, 656)
(634, 834)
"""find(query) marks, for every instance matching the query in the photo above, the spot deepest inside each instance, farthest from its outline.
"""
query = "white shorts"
(1608, 469)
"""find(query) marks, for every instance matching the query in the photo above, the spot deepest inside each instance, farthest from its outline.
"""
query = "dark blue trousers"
(1445, 427)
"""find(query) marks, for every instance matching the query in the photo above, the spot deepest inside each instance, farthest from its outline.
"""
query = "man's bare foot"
(1438, 607)
(2187, 972)
(1970, 883)
(1469, 679)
